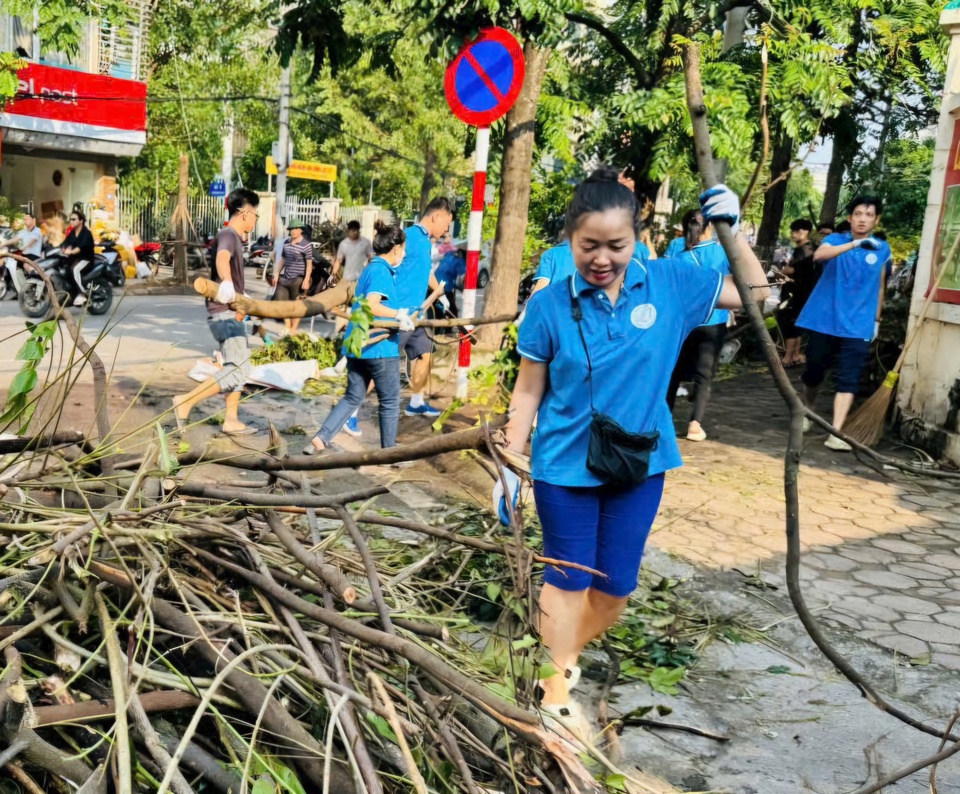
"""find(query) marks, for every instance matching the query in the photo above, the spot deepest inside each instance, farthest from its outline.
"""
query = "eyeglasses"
(255, 214)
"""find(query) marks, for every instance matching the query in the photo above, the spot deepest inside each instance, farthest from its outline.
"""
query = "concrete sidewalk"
(881, 554)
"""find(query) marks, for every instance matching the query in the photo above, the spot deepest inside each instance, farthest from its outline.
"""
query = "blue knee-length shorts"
(603, 528)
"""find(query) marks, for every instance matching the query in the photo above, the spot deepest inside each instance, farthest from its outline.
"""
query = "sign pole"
(481, 84)
(474, 238)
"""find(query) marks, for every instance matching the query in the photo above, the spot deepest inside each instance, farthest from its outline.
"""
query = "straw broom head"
(866, 425)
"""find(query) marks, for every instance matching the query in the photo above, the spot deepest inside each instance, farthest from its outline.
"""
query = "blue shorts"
(603, 528)
(847, 358)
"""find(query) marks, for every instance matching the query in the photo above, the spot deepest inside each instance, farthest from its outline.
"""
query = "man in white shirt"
(29, 239)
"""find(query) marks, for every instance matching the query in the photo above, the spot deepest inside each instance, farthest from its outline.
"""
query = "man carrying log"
(225, 324)
(414, 279)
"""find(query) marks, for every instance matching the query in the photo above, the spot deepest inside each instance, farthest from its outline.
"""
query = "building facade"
(73, 116)
(929, 393)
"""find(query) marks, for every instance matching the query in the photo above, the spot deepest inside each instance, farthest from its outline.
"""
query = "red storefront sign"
(70, 102)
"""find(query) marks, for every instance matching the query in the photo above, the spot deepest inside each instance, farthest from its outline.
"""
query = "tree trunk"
(501, 294)
(844, 148)
(429, 178)
(774, 199)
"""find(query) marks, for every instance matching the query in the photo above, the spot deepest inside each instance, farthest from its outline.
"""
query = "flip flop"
(247, 431)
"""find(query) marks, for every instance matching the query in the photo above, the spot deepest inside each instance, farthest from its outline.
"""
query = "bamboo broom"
(866, 425)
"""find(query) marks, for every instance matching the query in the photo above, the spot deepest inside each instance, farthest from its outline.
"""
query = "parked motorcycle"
(98, 282)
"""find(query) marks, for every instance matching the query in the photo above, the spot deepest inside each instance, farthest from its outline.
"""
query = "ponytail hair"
(386, 238)
(693, 226)
(599, 192)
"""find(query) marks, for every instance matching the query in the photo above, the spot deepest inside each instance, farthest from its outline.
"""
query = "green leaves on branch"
(18, 407)
(361, 318)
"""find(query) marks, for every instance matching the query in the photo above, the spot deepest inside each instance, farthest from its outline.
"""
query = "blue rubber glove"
(500, 501)
(869, 243)
(720, 203)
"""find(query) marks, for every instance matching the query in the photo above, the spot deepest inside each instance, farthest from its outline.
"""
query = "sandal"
(247, 431)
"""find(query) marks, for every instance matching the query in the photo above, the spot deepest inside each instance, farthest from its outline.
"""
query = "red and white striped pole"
(474, 239)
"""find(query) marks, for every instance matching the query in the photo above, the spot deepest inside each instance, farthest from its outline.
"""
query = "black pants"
(698, 361)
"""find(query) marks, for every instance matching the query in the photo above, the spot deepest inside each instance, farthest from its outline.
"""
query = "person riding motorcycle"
(78, 248)
(29, 239)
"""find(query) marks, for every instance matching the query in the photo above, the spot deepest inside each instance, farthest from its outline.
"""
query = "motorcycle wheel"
(118, 274)
(6, 288)
(34, 300)
(483, 279)
(101, 296)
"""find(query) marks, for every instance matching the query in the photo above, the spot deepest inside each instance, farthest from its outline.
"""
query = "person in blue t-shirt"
(379, 360)
(700, 354)
(617, 359)
(453, 265)
(842, 313)
(414, 281)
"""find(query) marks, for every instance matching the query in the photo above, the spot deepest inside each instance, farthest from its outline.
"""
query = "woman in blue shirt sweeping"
(379, 360)
(700, 354)
(598, 465)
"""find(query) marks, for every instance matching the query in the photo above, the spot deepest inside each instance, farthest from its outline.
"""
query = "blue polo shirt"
(675, 247)
(844, 303)
(556, 264)
(380, 278)
(633, 348)
(413, 276)
(451, 267)
(708, 254)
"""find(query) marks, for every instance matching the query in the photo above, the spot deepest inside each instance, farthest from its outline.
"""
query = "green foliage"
(903, 187)
(62, 22)
(18, 407)
(492, 384)
(198, 50)
(361, 318)
(299, 347)
(10, 64)
(802, 201)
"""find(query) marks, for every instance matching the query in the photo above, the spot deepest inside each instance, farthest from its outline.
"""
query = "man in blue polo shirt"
(414, 280)
(843, 311)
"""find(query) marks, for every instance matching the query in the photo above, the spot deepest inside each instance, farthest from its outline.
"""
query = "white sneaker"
(695, 432)
(80, 300)
(807, 425)
(837, 444)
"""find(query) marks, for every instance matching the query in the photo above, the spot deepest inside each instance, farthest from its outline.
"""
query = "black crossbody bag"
(615, 455)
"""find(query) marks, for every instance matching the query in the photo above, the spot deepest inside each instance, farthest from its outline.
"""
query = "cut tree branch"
(737, 255)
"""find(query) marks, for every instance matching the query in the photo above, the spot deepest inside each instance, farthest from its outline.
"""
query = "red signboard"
(947, 230)
(79, 98)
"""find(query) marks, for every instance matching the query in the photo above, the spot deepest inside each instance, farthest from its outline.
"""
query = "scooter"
(98, 284)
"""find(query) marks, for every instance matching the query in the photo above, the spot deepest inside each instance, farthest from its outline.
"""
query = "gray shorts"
(416, 343)
(232, 336)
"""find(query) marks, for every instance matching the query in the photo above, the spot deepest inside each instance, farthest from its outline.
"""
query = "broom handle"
(914, 333)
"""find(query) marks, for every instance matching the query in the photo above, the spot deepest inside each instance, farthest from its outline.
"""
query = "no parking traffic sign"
(485, 78)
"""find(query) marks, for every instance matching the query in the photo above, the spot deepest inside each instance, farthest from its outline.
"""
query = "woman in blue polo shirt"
(379, 360)
(700, 354)
(633, 321)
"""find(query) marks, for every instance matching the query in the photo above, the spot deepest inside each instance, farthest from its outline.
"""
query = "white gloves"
(444, 302)
(876, 331)
(500, 501)
(405, 321)
(226, 293)
(720, 203)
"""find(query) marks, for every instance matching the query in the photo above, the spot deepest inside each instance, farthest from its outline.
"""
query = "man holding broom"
(843, 312)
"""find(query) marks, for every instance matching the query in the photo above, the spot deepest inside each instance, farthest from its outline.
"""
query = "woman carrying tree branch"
(379, 361)
(599, 458)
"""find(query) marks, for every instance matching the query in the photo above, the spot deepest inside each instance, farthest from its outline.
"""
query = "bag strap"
(577, 313)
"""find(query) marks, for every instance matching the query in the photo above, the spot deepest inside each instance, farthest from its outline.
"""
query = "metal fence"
(149, 216)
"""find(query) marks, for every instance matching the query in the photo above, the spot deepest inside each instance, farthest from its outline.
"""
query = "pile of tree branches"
(174, 634)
